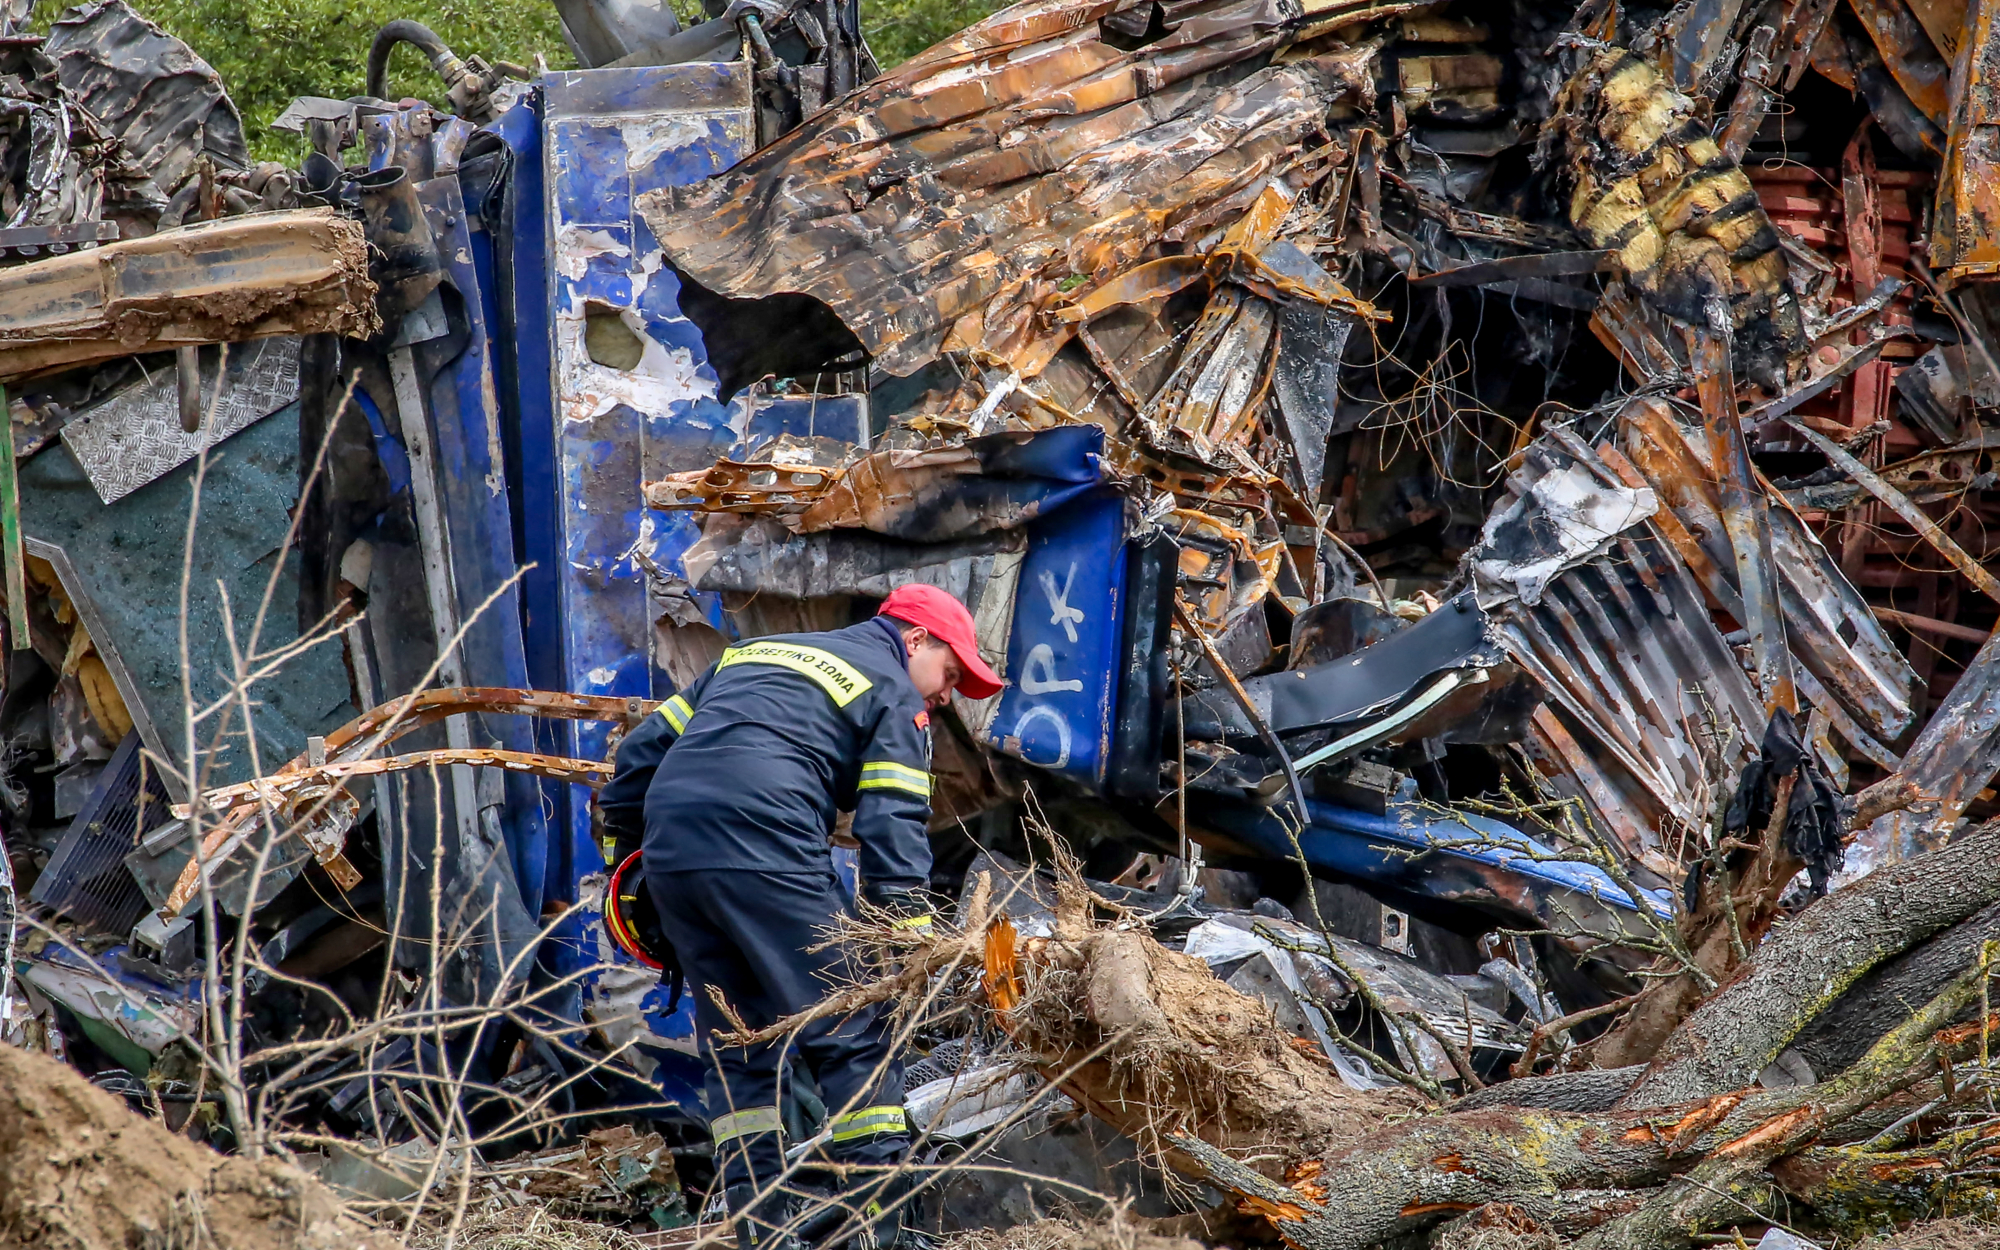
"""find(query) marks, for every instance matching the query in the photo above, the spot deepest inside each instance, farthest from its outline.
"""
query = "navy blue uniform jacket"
(747, 767)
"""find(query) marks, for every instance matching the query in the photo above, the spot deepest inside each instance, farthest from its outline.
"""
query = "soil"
(79, 1171)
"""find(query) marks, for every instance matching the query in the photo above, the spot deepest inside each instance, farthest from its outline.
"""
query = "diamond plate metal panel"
(135, 437)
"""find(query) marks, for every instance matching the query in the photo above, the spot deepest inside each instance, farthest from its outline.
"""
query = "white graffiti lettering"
(1038, 674)
(1062, 736)
(1060, 613)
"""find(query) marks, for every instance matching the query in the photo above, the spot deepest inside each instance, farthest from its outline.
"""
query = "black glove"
(620, 838)
(908, 908)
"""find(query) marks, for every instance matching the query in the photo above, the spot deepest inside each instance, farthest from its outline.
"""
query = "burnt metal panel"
(1965, 231)
(1103, 144)
(164, 103)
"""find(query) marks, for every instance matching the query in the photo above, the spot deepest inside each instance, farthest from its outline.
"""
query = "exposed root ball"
(1168, 1049)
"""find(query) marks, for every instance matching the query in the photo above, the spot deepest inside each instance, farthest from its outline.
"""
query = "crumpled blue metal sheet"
(1428, 851)
(591, 432)
(608, 136)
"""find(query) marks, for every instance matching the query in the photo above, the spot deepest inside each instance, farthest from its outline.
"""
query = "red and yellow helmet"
(629, 916)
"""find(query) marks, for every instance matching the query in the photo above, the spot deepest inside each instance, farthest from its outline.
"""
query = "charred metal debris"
(1448, 484)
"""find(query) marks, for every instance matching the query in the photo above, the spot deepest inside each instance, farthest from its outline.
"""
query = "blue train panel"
(635, 397)
(1063, 657)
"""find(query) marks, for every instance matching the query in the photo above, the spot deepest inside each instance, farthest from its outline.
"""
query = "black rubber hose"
(418, 36)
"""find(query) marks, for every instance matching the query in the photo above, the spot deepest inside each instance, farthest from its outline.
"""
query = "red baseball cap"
(949, 623)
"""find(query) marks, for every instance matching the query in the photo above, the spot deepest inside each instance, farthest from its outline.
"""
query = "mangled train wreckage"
(1504, 483)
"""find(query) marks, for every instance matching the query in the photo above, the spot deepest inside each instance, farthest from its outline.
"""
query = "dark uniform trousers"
(734, 784)
(744, 934)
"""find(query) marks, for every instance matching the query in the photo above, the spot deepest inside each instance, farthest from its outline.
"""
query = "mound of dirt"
(78, 1171)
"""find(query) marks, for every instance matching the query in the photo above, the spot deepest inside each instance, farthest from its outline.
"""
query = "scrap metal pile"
(1482, 509)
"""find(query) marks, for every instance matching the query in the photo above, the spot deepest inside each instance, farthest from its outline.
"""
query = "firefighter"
(732, 788)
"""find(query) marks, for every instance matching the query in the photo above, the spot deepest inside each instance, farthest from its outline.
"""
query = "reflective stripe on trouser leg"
(869, 1122)
(749, 1146)
(746, 1123)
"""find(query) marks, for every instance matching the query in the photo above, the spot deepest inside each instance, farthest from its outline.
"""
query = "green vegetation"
(268, 51)
(899, 29)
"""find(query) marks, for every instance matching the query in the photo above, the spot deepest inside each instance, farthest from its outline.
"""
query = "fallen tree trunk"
(1204, 1079)
(1409, 1177)
(1726, 925)
(1805, 966)
(1891, 992)
(1719, 1186)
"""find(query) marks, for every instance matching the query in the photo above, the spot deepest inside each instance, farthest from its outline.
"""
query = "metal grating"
(86, 880)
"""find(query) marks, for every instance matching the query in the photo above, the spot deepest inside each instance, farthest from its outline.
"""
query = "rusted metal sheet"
(1900, 504)
(1827, 625)
(934, 494)
(1955, 757)
(307, 797)
(1746, 519)
(1918, 66)
(303, 272)
(1965, 232)
(1105, 151)
(285, 790)
(391, 720)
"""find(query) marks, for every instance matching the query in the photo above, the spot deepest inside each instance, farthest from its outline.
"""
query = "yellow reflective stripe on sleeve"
(894, 783)
(842, 684)
(912, 922)
(869, 1121)
(746, 1123)
(885, 775)
(675, 712)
